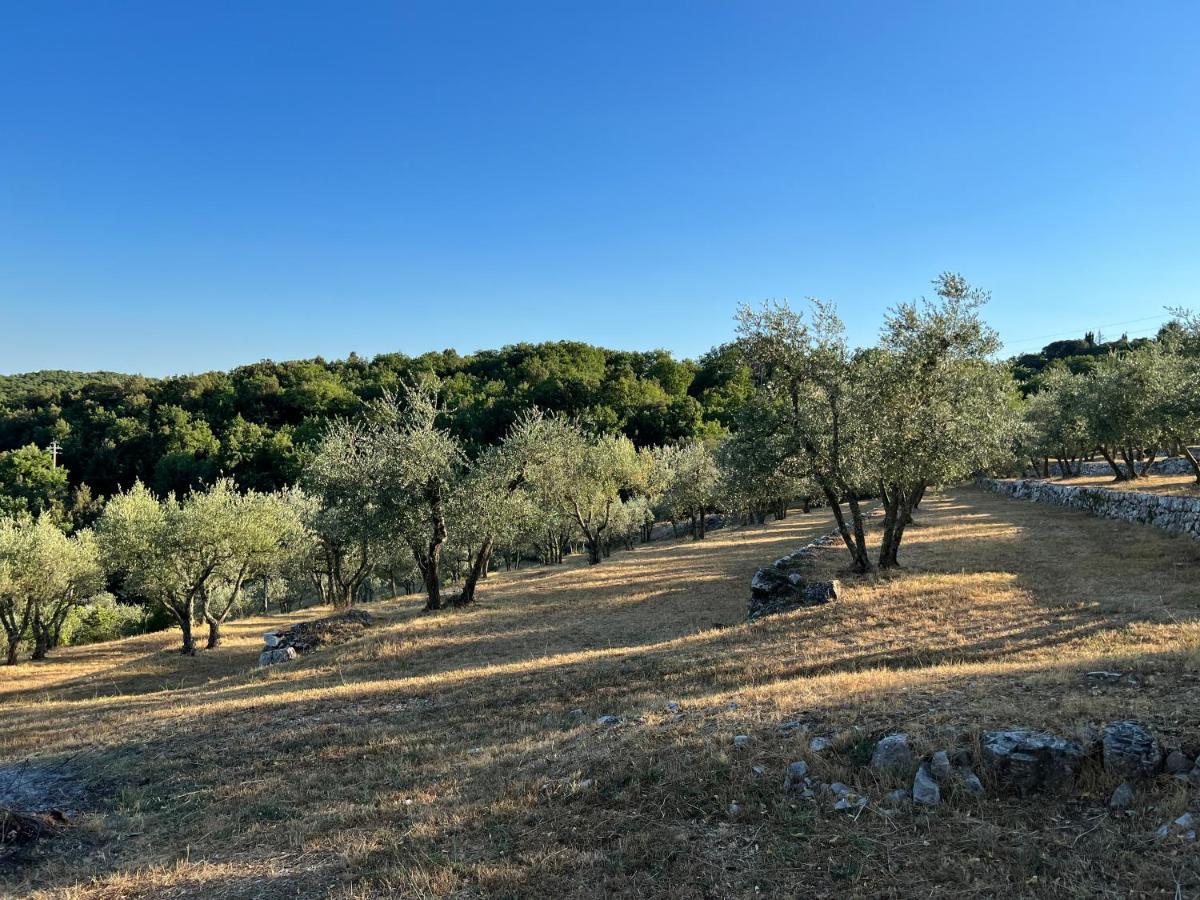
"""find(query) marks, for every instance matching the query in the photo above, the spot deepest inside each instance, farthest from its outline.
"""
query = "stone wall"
(1176, 515)
(1171, 465)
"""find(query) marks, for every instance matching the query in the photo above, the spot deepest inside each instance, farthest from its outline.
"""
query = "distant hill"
(258, 423)
(54, 381)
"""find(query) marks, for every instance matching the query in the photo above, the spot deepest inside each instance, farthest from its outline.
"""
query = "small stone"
(972, 783)
(1184, 827)
(271, 640)
(962, 758)
(796, 777)
(608, 721)
(1178, 763)
(1193, 777)
(575, 713)
(734, 809)
(939, 767)
(1122, 797)
(741, 740)
(475, 750)
(925, 790)
(893, 753)
(586, 784)
(850, 802)
(840, 789)
(898, 797)
(1131, 750)
(758, 770)
(672, 707)
(820, 744)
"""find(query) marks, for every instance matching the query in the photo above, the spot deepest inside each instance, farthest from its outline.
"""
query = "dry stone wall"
(1176, 515)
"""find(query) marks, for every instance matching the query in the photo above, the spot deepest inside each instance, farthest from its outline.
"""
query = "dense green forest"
(259, 423)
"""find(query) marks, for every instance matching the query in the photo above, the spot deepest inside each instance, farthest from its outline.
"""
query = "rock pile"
(782, 586)
(304, 637)
(1027, 762)
(1019, 761)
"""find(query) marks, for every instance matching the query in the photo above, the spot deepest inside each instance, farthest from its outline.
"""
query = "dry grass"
(439, 755)
(1175, 485)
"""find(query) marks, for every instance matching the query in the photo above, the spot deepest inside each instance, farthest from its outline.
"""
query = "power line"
(1022, 342)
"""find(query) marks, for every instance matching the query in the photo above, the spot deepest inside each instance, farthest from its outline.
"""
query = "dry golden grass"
(1175, 485)
(439, 756)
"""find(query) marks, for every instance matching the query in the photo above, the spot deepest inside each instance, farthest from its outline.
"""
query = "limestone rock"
(741, 740)
(1027, 761)
(1178, 763)
(279, 655)
(925, 790)
(820, 744)
(270, 640)
(898, 797)
(972, 783)
(796, 778)
(608, 721)
(939, 767)
(817, 592)
(1131, 750)
(1122, 797)
(893, 754)
(1184, 827)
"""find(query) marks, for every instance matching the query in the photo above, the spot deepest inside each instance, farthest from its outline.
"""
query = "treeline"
(1129, 406)
(1079, 356)
(259, 424)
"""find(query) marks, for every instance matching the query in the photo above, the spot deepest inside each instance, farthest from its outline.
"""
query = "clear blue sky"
(187, 186)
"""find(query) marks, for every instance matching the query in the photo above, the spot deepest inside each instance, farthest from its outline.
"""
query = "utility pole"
(54, 448)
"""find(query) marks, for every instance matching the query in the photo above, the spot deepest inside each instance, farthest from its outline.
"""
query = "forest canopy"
(260, 423)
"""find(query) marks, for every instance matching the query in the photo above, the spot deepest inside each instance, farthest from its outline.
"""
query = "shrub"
(103, 618)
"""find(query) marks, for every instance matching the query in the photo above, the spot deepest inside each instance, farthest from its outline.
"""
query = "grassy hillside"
(443, 755)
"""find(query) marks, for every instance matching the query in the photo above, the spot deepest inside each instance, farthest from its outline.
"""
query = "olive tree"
(16, 565)
(1124, 410)
(191, 554)
(805, 379)
(341, 509)
(1056, 423)
(488, 510)
(693, 483)
(69, 573)
(413, 466)
(938, 407)
(263, 532)
(580, 475)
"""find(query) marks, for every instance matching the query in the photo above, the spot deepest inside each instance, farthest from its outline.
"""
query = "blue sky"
(194, 186)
